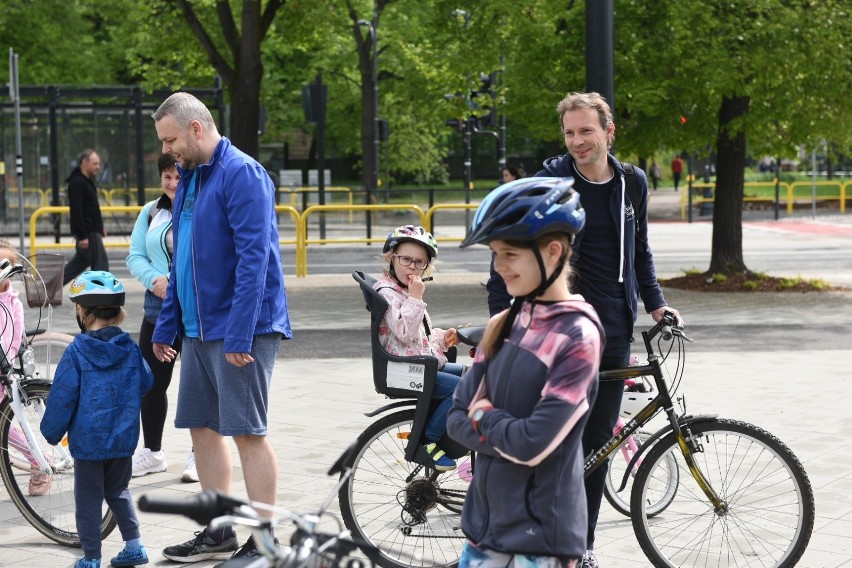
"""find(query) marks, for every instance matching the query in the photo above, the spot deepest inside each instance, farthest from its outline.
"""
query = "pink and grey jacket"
(527, 493)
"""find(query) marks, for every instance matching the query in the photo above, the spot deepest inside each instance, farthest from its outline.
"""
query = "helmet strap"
(546, 282)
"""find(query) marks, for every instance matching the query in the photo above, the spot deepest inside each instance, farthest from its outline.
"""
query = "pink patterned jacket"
(402, 331)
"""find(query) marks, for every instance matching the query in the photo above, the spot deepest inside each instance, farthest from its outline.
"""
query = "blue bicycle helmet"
(525, 209)
(96, 288)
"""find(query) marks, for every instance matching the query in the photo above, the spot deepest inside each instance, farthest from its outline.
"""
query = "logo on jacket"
(628, 212)
(530, 531)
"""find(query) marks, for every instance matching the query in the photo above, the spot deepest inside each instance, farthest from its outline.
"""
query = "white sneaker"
(145, 461)
(190, 474)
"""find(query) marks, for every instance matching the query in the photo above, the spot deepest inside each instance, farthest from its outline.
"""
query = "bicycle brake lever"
(680, 333)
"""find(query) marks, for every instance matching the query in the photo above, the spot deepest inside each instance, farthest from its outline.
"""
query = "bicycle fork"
(34, 448)
(689, 445)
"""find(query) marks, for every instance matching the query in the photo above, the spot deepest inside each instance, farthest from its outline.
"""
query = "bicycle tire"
(620, 501)
(410, 524)
(47, 351)
(770, 502)
(51, 514)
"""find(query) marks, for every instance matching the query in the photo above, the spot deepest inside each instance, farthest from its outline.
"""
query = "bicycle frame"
(662, 401)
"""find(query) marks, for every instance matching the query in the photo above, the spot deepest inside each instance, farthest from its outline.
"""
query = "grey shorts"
(233, 401)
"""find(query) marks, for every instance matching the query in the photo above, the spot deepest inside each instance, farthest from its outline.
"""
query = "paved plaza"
(780, 361)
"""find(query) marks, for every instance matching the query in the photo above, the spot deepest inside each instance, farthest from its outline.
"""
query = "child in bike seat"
(11, 334)
(96, 397)
(407, 330)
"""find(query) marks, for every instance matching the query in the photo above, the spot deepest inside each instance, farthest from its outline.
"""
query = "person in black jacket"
(87, 225)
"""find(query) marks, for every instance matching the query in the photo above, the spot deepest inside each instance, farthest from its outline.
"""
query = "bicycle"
(24, 453)
(308, 547)
(637, 394)
(707, 491)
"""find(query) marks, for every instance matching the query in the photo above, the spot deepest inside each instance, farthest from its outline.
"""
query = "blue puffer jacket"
(96, 396)
(239, 282)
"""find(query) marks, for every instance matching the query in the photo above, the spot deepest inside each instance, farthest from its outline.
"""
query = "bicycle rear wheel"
(45, 500)
(47, 351)
(412, 523)
(618, 463)
(769, 502)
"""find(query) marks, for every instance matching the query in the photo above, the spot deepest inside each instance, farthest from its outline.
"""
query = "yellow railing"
(294, 195)
(788, 191)
(431, 213)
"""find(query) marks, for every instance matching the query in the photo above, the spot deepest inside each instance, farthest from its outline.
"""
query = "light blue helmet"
(96, 288)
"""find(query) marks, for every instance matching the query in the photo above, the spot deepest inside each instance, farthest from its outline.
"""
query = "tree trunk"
(245, 86)
(727, 249)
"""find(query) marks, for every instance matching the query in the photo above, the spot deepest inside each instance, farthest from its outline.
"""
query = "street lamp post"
(373, 27)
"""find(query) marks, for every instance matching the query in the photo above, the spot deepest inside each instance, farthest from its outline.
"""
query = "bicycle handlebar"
(201, 507)
(7, 269)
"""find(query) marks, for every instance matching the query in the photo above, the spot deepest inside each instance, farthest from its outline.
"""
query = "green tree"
(764, 76)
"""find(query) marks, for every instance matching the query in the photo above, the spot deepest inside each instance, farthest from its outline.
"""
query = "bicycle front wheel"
(618, 463)
(47, 351)
(46, 500)
(769, 504)
(412, 522)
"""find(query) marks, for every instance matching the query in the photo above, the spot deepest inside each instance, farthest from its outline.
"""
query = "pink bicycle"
(637, 394)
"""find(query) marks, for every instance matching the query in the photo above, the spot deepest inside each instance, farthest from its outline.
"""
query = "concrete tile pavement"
(317, 409)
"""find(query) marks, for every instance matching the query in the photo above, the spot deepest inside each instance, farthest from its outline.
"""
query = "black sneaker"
(202, 547)
(248, 550)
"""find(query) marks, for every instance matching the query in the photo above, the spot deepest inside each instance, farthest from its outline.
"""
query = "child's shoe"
(88, 563)
(440, 460)
(130, 557)
(39, 482)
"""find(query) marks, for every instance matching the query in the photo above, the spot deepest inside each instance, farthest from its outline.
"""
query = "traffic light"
(486, 106)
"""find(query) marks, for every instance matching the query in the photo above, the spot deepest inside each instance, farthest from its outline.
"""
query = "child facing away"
(95, 398)
(407, 330)
(11, 335)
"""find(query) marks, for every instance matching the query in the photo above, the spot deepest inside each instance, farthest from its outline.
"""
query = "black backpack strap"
(631, 181)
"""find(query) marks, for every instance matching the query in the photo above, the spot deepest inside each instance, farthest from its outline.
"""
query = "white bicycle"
(39, 477)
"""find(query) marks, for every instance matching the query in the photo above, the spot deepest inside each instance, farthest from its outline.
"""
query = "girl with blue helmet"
(523, 404)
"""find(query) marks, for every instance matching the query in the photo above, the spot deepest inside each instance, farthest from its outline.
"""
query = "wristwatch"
(477, 416)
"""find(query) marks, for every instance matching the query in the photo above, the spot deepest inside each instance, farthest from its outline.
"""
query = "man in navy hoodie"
(612, 262)
(226, 300)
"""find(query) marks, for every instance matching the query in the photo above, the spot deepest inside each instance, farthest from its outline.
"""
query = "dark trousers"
(155, 404)
(94, 255)
(602, 419)
(94, 482)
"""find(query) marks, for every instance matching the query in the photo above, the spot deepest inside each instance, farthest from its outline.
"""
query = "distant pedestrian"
(87, 224)
(677, 170)
(511, 173)
(656, 174)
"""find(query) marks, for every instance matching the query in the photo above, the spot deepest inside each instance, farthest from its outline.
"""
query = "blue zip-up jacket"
(96, 395)
(527, 494)
(236, 260)
(635, 259)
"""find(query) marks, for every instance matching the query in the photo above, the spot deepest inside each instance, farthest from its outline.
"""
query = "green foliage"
(718, 278)
(751, 285)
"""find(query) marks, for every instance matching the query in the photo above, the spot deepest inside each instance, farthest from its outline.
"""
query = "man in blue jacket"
(226, 299)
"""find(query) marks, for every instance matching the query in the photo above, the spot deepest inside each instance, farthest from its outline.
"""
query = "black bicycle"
(708, 491)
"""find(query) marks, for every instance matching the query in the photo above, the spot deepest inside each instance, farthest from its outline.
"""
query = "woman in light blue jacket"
(149, 261)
